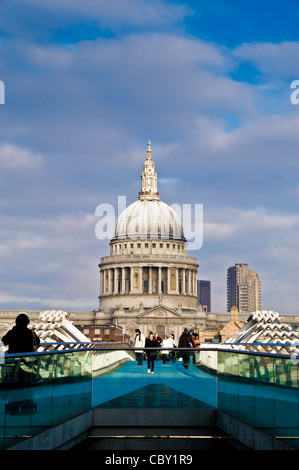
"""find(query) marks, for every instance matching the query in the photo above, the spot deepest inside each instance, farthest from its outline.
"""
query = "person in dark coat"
(20, 338)
(184, 342)
(151, 342)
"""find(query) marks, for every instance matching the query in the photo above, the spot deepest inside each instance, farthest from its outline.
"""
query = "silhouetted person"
(184, 342)
(20, 338)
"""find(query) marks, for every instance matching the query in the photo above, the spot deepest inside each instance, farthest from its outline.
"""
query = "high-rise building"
(243, 289)
(204, 295)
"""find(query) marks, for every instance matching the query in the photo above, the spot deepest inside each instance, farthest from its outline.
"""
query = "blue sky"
(88, 83)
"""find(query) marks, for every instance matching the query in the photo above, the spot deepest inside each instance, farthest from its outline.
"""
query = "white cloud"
(50, 57)
(279, 60)
(231, 224)
(51, 261)
(14, 157)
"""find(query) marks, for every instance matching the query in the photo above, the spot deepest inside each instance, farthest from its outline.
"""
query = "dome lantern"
(149, 189)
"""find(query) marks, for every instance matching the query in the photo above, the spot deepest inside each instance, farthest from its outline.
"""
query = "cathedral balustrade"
(164, 257)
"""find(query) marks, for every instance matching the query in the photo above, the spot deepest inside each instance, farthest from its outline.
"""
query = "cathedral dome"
(150, 219)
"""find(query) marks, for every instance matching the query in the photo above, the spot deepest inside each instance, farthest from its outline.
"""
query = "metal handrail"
(103, 346)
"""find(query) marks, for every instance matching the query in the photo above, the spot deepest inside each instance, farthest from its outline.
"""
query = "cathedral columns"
(115, 290)
(102, 280)
(177, 280)
(131, 280)
(140, 281)
(126, 279)
(184, 281)
(123, 285)
(159, 279)
(150, 280)
(109, 281)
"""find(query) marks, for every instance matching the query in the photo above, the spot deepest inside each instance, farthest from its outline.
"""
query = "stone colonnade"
(148, 280)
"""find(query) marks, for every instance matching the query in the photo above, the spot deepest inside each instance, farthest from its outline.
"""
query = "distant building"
(233, 326)
(204, 295)
(243, 289)
(104, 332)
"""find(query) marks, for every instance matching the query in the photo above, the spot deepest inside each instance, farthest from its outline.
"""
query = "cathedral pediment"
(159, 312)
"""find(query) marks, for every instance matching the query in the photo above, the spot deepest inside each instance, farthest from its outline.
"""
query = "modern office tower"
(204, 295)
(243, 289)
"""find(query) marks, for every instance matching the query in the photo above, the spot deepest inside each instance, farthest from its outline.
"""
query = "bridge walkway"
(172, 409)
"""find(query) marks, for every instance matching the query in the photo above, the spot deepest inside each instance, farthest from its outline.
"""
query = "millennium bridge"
(79, 395)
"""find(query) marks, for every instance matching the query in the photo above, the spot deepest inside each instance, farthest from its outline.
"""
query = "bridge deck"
(171, 386)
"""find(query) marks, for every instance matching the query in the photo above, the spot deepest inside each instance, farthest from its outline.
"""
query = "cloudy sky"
(87, 84)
